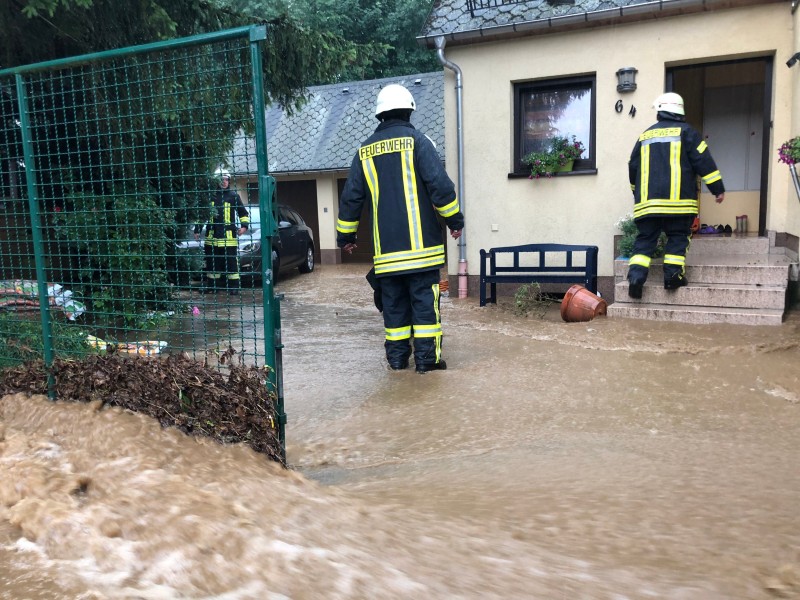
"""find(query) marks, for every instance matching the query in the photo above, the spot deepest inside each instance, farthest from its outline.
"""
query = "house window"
(554, 107)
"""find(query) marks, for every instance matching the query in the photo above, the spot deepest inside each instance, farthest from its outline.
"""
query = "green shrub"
(629, 232)
(116, 248)
(21, 339)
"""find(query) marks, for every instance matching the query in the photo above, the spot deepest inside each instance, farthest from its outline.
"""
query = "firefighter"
(221, 245)
(663, 169)
(398, 171)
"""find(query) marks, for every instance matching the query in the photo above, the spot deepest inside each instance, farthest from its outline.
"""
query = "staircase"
(738, 279)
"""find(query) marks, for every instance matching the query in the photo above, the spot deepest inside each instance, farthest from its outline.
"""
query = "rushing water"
(604, 460)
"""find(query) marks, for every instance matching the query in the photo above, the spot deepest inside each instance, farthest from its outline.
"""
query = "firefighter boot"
(427, 368)
(635, 287)
(675, 281)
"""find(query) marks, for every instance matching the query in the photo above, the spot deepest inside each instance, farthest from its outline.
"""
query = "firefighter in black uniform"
(663, 169)
(221, 245)
(398, 171)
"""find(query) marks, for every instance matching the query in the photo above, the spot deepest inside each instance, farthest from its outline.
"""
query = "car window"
(297, 219)
(288, 215)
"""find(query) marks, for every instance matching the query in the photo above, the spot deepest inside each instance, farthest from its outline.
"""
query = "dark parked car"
(292, 248)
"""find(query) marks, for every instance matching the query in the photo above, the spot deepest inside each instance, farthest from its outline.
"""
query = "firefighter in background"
(398, 171)
(221, 243)
(663, 169)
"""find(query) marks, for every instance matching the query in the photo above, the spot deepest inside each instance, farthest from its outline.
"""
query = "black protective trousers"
(678, 229)
(222, 266)
(411, 308)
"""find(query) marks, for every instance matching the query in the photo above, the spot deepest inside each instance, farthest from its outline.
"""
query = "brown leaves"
(175, 390)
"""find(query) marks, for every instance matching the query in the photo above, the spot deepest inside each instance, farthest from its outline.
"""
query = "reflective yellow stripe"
(412, 201)
(448, 210)
(644, 184)
(346, 226)
(686, 206)
(223, 242)
(641, 260)
(409, 261)
(674, 259)
(371, 175)
(398, 333)
(409, 254)
(409, 265)
(675, 170)
(712, 177)
(702, 147)
(435, 288)
(424, 331)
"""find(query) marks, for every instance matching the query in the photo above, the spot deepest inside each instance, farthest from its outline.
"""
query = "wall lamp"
(626, 79)
(794, 59)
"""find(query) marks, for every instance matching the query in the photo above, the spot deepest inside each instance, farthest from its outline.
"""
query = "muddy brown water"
(611, 459)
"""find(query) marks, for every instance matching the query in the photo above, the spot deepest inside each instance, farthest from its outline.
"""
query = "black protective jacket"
(226, 206)
(399, 171)
(664, 166)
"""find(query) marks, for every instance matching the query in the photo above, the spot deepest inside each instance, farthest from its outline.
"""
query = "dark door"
(302, 197)
(366, 247)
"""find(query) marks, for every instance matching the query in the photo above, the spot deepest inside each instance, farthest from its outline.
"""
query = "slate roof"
(325, 134)
(454, 19)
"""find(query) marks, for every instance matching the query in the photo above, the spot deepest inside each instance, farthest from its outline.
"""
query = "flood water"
(614, 459)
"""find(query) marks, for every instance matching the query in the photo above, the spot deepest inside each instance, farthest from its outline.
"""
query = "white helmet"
(221, 174)
(392, 97)
(670, 102)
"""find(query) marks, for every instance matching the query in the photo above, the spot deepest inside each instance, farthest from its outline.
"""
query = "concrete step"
(732, 244)
(754, 269)
(696, 314)
(708, 295)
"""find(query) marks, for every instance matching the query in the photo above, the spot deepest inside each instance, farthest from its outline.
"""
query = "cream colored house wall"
(791, 127)
(327, 210)
(582, 209)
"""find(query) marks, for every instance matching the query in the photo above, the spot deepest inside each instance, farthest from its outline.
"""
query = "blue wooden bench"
(537, 263)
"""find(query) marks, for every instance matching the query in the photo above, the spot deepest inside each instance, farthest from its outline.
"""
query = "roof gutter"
(462, 241)
(587, 18)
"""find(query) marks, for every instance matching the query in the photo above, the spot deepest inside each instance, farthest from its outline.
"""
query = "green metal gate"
(106, 172)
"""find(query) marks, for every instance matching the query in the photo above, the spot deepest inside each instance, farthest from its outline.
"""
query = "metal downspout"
(462, 241)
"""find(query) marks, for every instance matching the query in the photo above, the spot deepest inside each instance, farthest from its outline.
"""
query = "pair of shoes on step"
(723, 229)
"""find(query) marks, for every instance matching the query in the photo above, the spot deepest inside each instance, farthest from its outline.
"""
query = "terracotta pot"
(579, 304)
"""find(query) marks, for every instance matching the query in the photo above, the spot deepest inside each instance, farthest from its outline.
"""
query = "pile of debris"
(237, 407)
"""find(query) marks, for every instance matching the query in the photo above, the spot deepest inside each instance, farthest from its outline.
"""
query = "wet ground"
(607, 459)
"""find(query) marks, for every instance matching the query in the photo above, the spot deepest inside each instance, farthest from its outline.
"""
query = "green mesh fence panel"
(107, 169)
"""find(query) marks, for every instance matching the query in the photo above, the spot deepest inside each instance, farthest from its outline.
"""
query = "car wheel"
(308, 264)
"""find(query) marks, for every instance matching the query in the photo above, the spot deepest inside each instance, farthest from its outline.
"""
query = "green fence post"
(36, 226)
(271, 303)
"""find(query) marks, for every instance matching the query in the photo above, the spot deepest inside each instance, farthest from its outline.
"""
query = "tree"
(387, 27)
(297, 55)
(126, 139)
